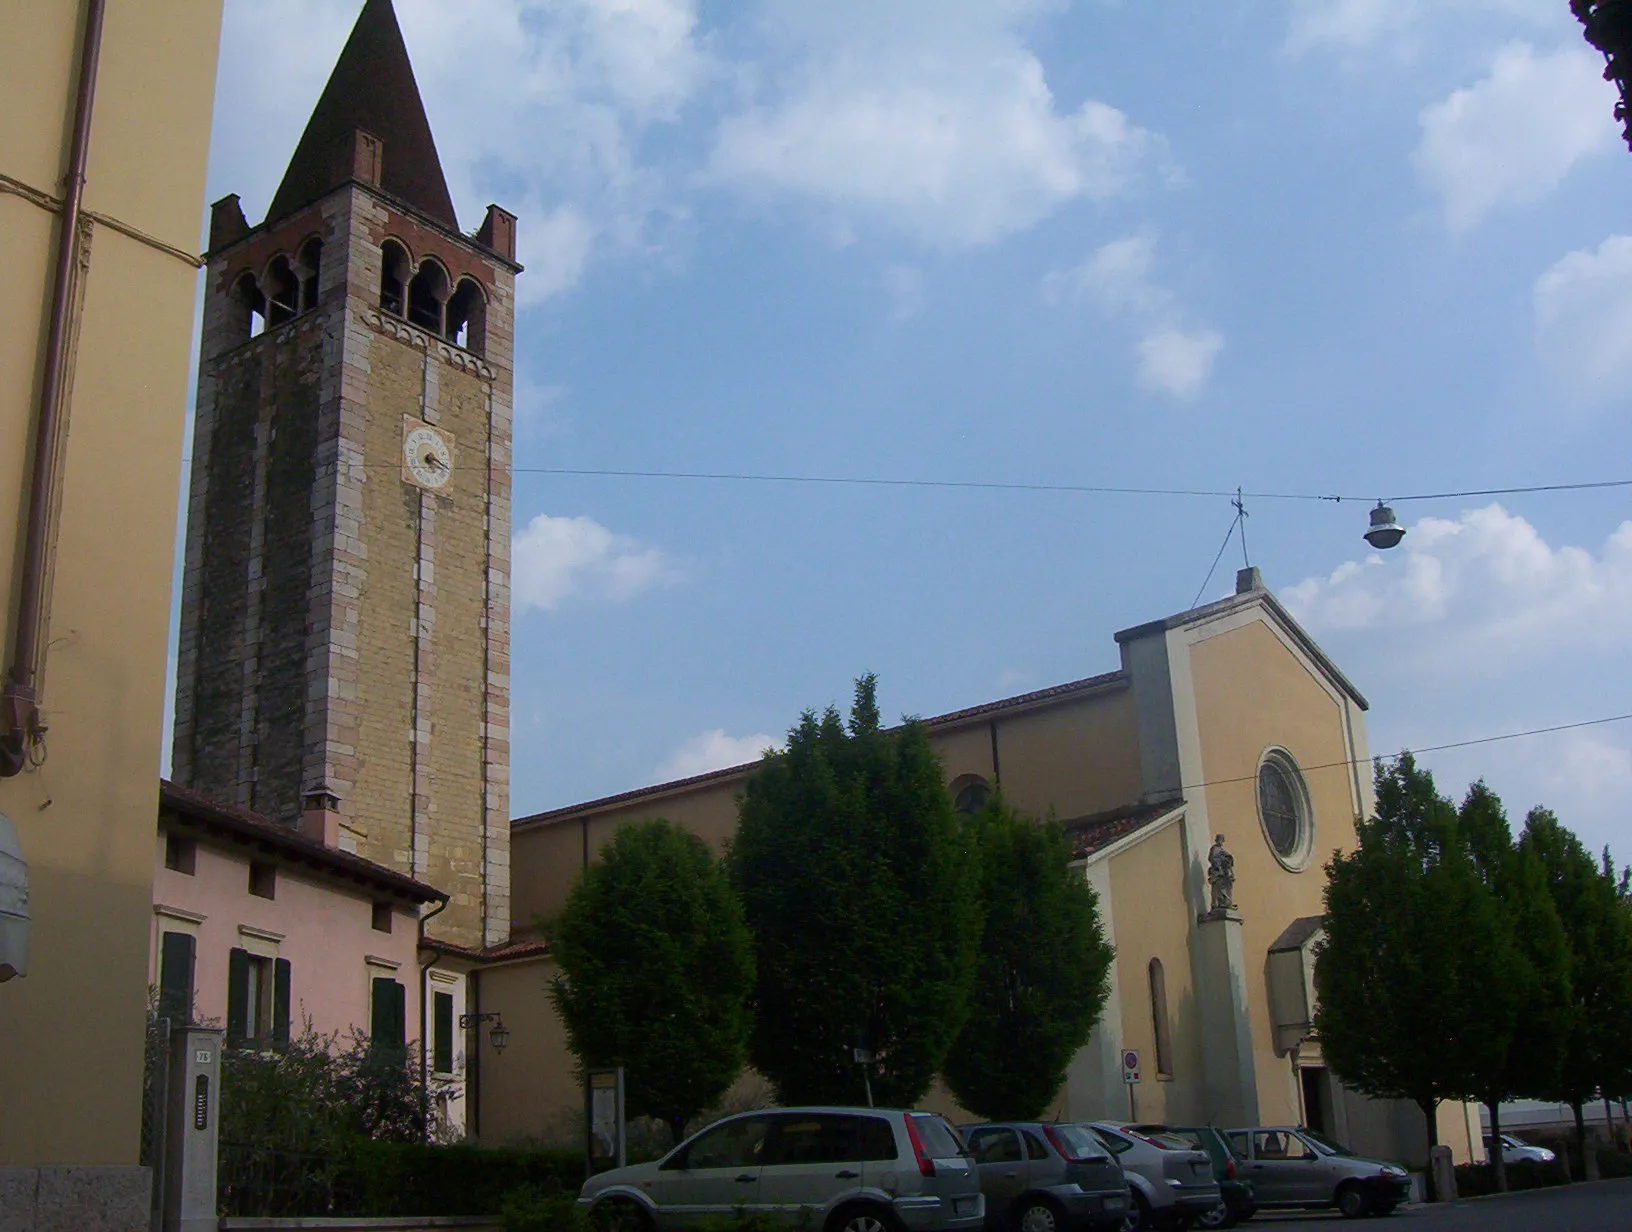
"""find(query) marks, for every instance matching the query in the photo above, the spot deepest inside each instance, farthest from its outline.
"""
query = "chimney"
(498, 232)
(320, 815)
(227, 222)
(1248, 580)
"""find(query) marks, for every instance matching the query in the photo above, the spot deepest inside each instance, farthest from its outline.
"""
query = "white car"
(1518, 1151)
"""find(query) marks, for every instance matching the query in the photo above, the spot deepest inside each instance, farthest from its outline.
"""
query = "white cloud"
(1510, 138)
(934, 119)
(1484, 585)
(904, 284)
(713, 750)
(1583, 312)
(554, 559)
(1178, 361)
(1174, 358)
(1364, 25)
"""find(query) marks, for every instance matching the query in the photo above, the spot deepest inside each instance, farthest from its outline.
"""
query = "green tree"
(1597, 1056)
(861, 896)
(1412, 945)
(1524, 1015)
(1043, 973)
(656, 968)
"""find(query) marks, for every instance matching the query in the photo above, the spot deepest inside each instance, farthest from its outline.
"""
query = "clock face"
(427, 456)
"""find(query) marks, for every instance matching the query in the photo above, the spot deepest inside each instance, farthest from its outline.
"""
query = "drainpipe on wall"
(22, 735)
(424, 996)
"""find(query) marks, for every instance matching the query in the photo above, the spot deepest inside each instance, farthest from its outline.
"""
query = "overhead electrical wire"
(996, 485)
(1432, 748)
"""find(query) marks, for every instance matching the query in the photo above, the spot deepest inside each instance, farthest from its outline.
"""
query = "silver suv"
(821, 1169)
(1041, 1177)
(1296, 1167)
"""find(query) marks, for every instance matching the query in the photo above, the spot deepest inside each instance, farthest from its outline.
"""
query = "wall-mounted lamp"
(499, 1036)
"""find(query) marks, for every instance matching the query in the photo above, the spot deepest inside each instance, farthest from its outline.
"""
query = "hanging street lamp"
(1385, 532)
(1608, 26)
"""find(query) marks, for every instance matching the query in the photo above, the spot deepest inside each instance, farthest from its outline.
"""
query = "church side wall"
(1071, 759)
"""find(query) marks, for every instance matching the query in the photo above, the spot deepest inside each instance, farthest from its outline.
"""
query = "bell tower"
(345, 626)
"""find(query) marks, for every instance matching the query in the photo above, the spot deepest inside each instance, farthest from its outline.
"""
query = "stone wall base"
(73, 1198)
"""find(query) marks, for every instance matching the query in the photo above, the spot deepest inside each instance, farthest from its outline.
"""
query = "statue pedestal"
(1226, 1035)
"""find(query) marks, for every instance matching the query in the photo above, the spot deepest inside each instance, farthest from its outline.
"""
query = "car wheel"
(1037, 1216)
(1138, 1219)
(1218, 1217)
(619, 1215)
(1352, 1202)
(862, 1219)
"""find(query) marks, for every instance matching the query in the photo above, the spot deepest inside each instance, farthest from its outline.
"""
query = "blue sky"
(1368, 247)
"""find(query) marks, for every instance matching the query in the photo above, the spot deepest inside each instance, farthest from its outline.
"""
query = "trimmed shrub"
(411, 1178)
(539, 1208)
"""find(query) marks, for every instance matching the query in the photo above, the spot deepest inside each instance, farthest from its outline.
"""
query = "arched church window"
(426, 294)
(1159, 1021)
(969, 794)
(282, 292)
(310, 264)
(467, 317)
(249, 307)
(393, 278)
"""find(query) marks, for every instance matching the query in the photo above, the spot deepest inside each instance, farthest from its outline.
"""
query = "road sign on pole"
(1130, 1065)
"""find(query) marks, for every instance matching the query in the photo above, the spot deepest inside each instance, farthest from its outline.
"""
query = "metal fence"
(155, 1093)
(269, 1181)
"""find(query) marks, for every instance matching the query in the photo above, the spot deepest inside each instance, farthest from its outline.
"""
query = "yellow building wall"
(1071, 759)
(1153, 921)
(1253, 693)
(71, 1031)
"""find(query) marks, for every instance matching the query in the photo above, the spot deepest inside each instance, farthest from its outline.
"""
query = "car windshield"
(1326, 1144)
(1164, 1139)
(940, 1140)
(1076, 1142)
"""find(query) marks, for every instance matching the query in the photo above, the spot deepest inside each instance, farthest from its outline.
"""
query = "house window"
(382, 917)
(258, 989)
(442, 1032)
(263, 879)
(176, 959)
(180, 854)
(1158, 1017)
(388, 1016)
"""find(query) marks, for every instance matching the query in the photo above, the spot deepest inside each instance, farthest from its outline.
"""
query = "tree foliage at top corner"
(1043, 972)
(656, 968)
(861, 894)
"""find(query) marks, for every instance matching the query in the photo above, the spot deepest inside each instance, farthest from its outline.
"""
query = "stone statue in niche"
(1221, 875)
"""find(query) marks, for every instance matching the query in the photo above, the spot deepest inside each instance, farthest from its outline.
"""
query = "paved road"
(1602, 1207)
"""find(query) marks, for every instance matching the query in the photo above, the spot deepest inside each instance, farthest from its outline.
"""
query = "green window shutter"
(399, 1016)
(237, 997)
(442, 1033)
(378, 1011)
(176, 951)
(280, 1003)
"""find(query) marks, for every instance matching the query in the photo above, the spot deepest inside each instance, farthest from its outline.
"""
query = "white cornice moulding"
(178, 913)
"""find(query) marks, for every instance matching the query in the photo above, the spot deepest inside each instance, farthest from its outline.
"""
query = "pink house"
(260, 928)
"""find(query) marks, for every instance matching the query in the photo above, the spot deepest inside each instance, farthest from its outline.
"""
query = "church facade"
(1205, 782)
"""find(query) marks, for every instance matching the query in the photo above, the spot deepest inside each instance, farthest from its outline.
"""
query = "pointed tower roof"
(372, 88)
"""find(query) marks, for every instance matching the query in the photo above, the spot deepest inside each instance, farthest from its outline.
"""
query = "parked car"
(1296, 1167)
(1518, 1151)
(1041, 1177)
(824, 1169)
(1240, 1201)
(1170, 1181)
